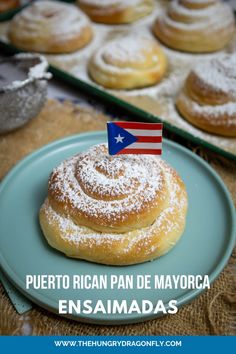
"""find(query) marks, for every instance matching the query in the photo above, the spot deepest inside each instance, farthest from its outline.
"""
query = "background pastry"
(116, 11)
(114, 210)
(50, 27)
(6, 5)
(128, 62)
(208, 99)
(196, 26)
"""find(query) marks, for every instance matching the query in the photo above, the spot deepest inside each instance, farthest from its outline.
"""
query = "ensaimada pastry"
(116, 210)
(50, 27)
(116, 11)
(208, 98)
(196, 26)
(128, 62)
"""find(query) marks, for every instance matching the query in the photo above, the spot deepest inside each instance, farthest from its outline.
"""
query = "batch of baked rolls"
(138, 60)
(115, 210)
(130, 209)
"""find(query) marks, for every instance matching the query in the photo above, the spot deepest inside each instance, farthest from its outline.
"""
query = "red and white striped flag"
(134, 138)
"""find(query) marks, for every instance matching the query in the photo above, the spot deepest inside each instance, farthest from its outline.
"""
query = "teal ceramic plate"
(203, 249)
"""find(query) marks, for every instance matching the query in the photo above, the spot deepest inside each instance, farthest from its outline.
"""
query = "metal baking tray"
(122, 106)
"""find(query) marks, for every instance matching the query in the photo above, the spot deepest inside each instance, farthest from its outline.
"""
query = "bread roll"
(116, 11)
(208, 98)
(115, 210)
(50, 27)
(128, 62)
(196, 26)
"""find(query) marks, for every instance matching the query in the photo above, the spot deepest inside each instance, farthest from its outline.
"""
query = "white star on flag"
(119, 139)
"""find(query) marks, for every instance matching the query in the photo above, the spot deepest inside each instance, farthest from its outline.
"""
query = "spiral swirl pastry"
(208, 98)
(50, 27)
(116, 11)
(196, 26)
(128, 62)
(114, 210)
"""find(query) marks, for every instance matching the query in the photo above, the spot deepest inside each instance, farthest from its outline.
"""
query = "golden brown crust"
(50, 27)
(128, 200)
(203, 121)
(203, 92)
(116, 11)
(201, 27)
(195, 4)
(52, 46)
(128, 63)
(120, 247)
(6, 5)
(208, 98)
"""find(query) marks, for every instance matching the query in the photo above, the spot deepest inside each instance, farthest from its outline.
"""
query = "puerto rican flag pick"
(134, 138)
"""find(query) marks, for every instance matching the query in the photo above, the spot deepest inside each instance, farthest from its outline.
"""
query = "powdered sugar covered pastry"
(128, 62)
(50, 27)
(197, 4)
(208, 99)
(196, 26)
(116, 11)
(116, 210)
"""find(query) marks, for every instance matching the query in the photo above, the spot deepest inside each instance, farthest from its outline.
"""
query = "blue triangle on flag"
(118, 138)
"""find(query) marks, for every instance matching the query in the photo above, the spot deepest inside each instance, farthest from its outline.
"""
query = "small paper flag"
(134, 138)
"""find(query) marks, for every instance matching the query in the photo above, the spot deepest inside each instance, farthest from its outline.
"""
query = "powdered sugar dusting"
(172, 116)
(164, 223)
(108, 188)
(127, 49)
(227, 110)
(208, 18)
(218, 73)
(98, 8)
(125, 53)
(107, 3)
(61, 20)
(198, 1)
(164, 93)
(37, 66)
(215, 76)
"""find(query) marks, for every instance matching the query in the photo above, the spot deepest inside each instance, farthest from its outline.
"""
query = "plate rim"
(183, 299)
